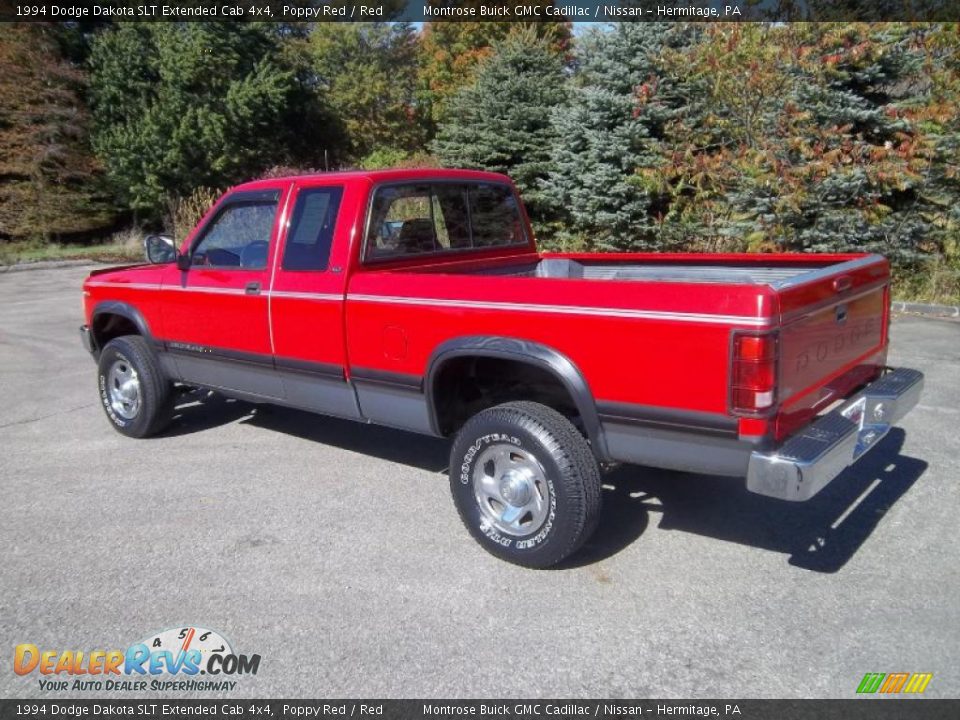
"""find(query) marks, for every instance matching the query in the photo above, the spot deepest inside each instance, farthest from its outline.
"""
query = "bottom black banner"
(872, 709)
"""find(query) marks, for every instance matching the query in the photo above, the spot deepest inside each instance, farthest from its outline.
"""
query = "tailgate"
(832, 337)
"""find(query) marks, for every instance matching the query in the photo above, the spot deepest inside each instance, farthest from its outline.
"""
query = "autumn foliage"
(807, 137)
(51, 185)
(728, 136)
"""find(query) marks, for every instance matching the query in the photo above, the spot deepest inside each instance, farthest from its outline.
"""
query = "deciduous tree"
(50, 182)
(368, 75)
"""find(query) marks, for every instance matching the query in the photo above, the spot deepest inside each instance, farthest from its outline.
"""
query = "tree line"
(661, 136)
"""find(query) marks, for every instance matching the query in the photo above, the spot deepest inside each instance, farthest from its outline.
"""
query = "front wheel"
(525, 483)
(134, 393)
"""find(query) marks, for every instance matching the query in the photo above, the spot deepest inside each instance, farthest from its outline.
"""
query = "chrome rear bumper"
(809, 460)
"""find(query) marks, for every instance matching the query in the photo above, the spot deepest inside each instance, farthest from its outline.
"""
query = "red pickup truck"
(417, 299)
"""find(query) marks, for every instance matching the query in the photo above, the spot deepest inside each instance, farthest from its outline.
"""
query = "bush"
(384, 158)
(936, 280)
(183, 213)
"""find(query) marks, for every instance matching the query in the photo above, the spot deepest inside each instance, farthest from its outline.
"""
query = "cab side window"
(417, 219)
(311, 229)
(436, 217)
(238, 237)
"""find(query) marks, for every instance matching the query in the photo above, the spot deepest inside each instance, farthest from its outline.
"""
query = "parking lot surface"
(333, 550)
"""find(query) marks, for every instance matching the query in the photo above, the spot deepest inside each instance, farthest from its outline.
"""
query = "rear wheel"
(134, 393)
(525, 483)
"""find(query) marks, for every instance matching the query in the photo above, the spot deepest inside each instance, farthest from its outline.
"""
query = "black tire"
(525, 438)
(153, 408)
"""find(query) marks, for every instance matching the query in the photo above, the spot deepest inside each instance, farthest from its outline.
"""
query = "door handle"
(842, 283)
(252, 288)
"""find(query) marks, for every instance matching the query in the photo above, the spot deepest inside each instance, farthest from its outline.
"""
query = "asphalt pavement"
(333, 550)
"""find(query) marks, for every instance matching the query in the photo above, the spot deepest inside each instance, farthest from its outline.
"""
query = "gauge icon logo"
(191, 649)
(185, 639)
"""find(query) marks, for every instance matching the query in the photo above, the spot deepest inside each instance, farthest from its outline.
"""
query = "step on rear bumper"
(809, 460)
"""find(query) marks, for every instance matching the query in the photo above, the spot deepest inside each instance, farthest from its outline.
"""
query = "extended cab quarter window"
(311, 229)
(420, 218)
(239, 236)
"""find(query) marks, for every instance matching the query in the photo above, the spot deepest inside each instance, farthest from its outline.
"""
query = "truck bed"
(829, 313)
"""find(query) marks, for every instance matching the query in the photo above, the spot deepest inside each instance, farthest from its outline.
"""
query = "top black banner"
(581, 11)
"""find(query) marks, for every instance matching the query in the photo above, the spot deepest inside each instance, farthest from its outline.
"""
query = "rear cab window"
(432, 218)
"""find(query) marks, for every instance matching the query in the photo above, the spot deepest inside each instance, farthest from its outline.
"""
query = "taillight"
(753, 374)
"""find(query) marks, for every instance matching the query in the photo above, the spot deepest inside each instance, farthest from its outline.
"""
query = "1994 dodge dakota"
(417, 299)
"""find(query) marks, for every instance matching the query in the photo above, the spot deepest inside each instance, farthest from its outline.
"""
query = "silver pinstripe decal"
(176, 288)
(567, 310)
(129, 286)
(306, 295)
(224, 291)
(480, 305)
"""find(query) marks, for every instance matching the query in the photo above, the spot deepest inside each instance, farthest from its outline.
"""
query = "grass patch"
(122, 247)
(936, 281)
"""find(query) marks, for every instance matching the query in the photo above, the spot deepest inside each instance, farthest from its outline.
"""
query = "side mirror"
(160, 249)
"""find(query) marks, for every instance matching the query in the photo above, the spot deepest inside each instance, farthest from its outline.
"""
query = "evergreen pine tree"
(812, 138)
(501, 122)
(184, 105)
(858, 193)
(451, 52)
(600, 139)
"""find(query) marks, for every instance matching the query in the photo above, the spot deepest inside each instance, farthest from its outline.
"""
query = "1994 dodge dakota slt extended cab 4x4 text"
(417, 299)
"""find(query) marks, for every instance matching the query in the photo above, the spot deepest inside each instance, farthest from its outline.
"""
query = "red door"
(216, 322)
(307, 298)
